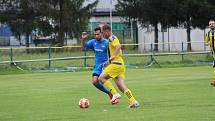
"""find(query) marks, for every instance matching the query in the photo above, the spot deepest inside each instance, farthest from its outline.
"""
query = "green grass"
(165, 94)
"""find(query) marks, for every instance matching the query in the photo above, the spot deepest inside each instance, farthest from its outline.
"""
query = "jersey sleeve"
(89, 44)
(206, 39)
(115, 42)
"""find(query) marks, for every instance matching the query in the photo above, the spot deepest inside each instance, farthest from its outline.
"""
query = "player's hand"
(105, 64)
(207, 44)
(84, 36)
(112, 58)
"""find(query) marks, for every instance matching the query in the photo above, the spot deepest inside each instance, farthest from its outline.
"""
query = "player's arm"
(83, 39)
(106, 63)
(117, 47)
(116, 52)
(206, 39)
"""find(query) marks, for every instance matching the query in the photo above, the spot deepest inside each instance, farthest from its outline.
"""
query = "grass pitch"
(165, 94)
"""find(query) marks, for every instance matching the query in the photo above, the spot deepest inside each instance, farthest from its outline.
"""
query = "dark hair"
(106, 27)
(98, 29)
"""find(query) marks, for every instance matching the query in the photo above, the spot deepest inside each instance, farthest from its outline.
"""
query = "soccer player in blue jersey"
(210, 40)
(99, 45)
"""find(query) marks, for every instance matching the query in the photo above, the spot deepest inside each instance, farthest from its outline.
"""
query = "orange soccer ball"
(84, 103)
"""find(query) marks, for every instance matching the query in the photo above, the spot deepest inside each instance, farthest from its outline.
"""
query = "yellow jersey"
(210, 40)
(112, 45)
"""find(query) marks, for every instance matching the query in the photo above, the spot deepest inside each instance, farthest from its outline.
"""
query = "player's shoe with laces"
(134, 105)
(115, 99)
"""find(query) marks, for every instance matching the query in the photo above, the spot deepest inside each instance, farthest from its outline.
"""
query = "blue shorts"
(97, 69)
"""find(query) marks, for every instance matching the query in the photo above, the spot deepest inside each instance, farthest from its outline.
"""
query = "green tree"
(46, 16)
(192, 14)
(19, 15)
(69, 17)
(149, 12)
(187, 13)
(211, 4)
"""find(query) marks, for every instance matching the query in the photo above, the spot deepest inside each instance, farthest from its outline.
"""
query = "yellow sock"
(110, 87)
(129, 96)
(213, 72)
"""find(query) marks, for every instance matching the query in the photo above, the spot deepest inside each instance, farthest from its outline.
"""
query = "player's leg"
(104, 78)
(110, 72)
(213, 81)
(133, 103)
(119, 80)
(97, 70)
(98, 84)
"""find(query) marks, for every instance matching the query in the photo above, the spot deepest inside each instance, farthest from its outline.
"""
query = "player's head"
(98, 33)
(212, 24)
(106, 30)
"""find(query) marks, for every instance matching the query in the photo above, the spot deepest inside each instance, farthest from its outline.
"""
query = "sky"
(103, 4)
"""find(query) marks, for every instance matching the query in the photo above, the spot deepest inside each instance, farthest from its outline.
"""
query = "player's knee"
(94, 82)
(101, 79)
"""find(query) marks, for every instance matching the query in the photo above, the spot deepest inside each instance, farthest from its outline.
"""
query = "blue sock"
(101, 87)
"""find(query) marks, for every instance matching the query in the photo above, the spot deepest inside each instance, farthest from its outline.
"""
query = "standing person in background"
(210, 40)
(99, 45)
(116, 69)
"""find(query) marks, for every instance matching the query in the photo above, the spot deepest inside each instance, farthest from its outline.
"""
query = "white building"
(172, 39)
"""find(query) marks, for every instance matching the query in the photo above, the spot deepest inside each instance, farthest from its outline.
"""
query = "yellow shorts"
(115, 70)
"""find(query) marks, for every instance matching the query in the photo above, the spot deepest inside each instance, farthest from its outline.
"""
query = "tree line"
(61, 17)
(169, 13)
(70, 17)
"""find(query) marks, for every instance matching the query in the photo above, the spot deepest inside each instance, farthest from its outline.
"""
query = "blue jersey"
(99, 48)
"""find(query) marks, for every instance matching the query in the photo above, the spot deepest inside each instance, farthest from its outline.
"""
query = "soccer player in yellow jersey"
(210, 40)
(116, 69)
